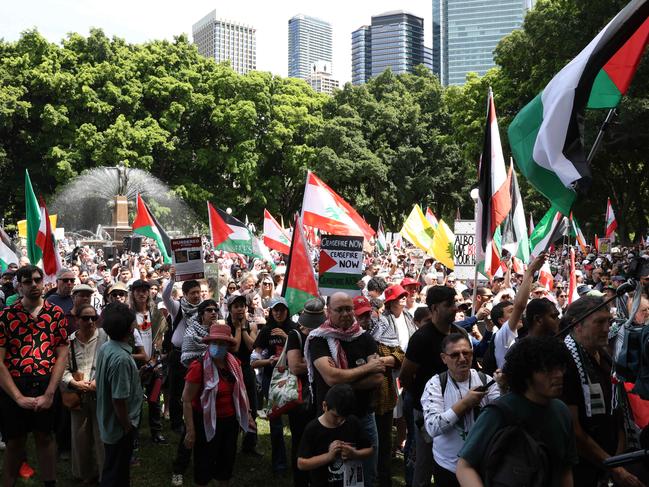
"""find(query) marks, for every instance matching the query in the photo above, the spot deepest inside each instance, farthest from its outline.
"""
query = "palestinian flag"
(494, 201)
(300, 284)
(275, 236)
(551, 227)
(47, 243)
(229, 234)
(514, 236)
(381, 244)
(323, 208)
(33, 212)
(611, 222)
(7, 256)
(432, 219)
(145, 224)
(546, 135)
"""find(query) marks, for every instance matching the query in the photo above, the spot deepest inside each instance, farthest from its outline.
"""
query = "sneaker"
(159, 439)
(26, 472)
(177, 480)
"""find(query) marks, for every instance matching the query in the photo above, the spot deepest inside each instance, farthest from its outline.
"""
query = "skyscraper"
(309, 41)
(223, 40)
(395, 40)
(466, 32)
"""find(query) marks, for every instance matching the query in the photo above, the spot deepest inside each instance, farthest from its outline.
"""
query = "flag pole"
(600, 135)
(475, 291)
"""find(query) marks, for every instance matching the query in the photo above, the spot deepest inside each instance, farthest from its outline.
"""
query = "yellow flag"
(418, 230)
(443, 245)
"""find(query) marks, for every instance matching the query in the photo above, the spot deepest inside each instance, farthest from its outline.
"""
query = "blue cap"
(275, 301)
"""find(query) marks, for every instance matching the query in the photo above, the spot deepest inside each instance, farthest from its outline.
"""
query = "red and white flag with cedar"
(494, 201)
(47, 243)
(572, 289)
(611, 222)
(275, 237)
(432, 219)
(323, 208)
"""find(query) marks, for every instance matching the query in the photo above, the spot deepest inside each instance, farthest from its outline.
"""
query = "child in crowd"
(334, 444)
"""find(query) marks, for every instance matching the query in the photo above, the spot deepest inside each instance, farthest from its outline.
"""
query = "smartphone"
(485, 387)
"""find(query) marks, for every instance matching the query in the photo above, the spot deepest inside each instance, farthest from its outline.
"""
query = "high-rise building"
(395, 40)
(361, 55)
(320, 78)
(466, 32)
(309, 41)
(223, 40)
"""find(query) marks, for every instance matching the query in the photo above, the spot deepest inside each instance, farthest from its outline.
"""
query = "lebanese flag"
(572, 289)
(611, 222)
(145, 224)
(47, 243)
(397, 241)
(577, 233)
(546, 136)
(275, 237)
(230, 234)
(517, 265)
(300, 283)
(324, 209)
(494, 202)
(432, 219)
(545, 277)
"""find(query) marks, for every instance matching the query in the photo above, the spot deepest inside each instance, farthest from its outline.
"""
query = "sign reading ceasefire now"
(341, 264)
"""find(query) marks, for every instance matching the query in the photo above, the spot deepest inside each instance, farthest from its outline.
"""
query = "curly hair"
(530, 355)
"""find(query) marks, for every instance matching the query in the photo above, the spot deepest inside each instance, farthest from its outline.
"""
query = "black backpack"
(489, 364)
(514, 456)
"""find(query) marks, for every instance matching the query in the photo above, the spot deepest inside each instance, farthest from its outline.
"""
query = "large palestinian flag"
(551, 228)
(546, 135)
(300, 284)
(145, 224)
(230, 234)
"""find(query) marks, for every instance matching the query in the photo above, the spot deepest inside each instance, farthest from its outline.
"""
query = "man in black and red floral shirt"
(33, 355)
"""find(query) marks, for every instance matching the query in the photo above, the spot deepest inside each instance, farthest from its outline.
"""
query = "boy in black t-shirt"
(333, 444)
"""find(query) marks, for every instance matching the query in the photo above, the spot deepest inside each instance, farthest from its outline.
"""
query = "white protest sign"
(465, 250)
(341, 264)
(187, 255)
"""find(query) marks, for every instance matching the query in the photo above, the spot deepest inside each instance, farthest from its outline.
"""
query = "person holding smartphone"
(451, 402)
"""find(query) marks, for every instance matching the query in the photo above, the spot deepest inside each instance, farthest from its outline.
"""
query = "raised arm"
(524, 291)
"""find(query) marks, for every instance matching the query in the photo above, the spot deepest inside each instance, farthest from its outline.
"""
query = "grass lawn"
(155, 463)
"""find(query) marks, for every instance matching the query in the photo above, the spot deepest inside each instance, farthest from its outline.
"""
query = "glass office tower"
(309, 41)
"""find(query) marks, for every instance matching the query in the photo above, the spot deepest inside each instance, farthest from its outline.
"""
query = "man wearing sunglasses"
(33, 355)
(62, 297)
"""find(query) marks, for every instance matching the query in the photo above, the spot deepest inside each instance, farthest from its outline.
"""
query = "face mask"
(217, 351)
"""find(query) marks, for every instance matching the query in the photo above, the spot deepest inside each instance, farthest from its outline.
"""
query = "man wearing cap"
(81, 294)
(62, 297)
(269, 343)
(151, 325)
(340, 352)
(311, 318)
(117, 293)
(33, 355)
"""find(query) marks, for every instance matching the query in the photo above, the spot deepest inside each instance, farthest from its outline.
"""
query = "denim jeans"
(368, 423)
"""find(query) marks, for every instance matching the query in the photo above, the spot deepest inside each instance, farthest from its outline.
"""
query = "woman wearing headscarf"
(215, 407)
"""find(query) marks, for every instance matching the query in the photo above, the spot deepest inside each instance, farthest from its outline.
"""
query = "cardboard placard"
(341, 264)
(187, 256)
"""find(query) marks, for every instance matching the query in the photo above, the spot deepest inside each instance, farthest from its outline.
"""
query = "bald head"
(341, 310)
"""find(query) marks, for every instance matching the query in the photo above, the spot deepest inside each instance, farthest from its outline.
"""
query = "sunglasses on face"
(118, 295)
(88, 318)
(210, 310)
(67, 279)
(231, 288)
(456, 355)
(29, 282)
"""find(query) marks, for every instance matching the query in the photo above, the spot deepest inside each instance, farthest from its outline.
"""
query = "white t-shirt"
(503, 339)
(144, 327)
(402, 331)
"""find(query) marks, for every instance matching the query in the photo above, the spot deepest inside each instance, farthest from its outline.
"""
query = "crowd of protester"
(502, 383)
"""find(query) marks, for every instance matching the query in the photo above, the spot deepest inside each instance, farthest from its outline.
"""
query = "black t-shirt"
(273, 344)
(243, 353)
(424, 349)
(316, 440)
(603, 428)
(296, 342)
(357, 352)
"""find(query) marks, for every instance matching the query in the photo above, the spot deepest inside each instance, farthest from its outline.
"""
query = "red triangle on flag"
(325, 263)
(219, 230)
